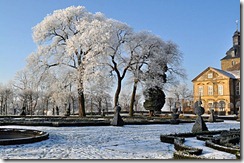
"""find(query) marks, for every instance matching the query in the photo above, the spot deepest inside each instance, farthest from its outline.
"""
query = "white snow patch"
(109, 142)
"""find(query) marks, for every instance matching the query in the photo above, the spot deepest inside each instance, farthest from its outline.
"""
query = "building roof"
(236, 73)
(236, 50)
(230, 74)
(237, 33)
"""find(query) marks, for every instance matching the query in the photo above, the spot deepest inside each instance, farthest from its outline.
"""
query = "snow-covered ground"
(109, 142)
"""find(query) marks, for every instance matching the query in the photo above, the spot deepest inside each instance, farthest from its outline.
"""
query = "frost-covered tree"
(26, 86)
(174, 60)
(6, 98)
(181, 94)
(58, 92)
(170, 102)
(76, 40)
(144, 48)
(151, 57)
(181, 91)
(1, 99)
(98, 88)
(70, 38)
(165, 58)
(116, 57)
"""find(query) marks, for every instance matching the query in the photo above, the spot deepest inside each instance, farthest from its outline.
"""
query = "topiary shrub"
(211, 144)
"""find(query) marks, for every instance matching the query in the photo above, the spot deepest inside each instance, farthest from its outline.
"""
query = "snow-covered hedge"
(204, 137)
(179, 146)
(210, 144)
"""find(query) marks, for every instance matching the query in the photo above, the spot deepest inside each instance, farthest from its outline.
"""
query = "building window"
(210, 75)
(200, 90)
(233, 63)
(236, 41)
(220, 90)
(210, 90)
(238, 88)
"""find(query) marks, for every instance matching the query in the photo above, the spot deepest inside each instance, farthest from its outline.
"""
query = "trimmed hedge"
(167, 139)
(186, 152)
(179, 146)
(211, 144)
(204, 137)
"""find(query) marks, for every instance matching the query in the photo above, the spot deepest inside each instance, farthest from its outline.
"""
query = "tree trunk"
(57, 110)
(91, 106)
(53, 111)
(1, 107)
(106, 105)
(81, 101)
(1, 103)
(31, 104)
(47, 106)
(34, 107)
(73, 104)
(132, 101)
(43, 106)
(116, 96)
(81, 97)
(99, 106)
(6, 106)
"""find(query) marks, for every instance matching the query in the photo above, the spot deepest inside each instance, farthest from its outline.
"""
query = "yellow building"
(220, 89)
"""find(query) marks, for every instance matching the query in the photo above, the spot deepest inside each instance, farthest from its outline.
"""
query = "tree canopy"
(82, 56)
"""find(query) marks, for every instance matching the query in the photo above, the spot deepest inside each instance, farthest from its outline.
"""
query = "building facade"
(219, 89)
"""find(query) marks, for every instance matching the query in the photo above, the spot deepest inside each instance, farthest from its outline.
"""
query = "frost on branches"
(88, 52)
(70, 39)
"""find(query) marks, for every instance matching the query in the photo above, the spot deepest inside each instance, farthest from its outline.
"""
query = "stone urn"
(199, 125)
(212, 117)
(175, 116)
(117, 119)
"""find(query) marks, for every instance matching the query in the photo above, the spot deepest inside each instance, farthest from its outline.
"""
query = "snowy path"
(104, 142)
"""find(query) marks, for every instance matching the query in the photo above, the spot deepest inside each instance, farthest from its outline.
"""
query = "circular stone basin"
(11, 136)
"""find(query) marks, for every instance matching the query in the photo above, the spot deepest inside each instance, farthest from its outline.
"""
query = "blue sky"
(202, 29)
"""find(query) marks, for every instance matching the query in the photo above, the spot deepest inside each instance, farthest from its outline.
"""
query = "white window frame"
(210, 90)
(220, 89)
(200, 90)
(210, 75)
